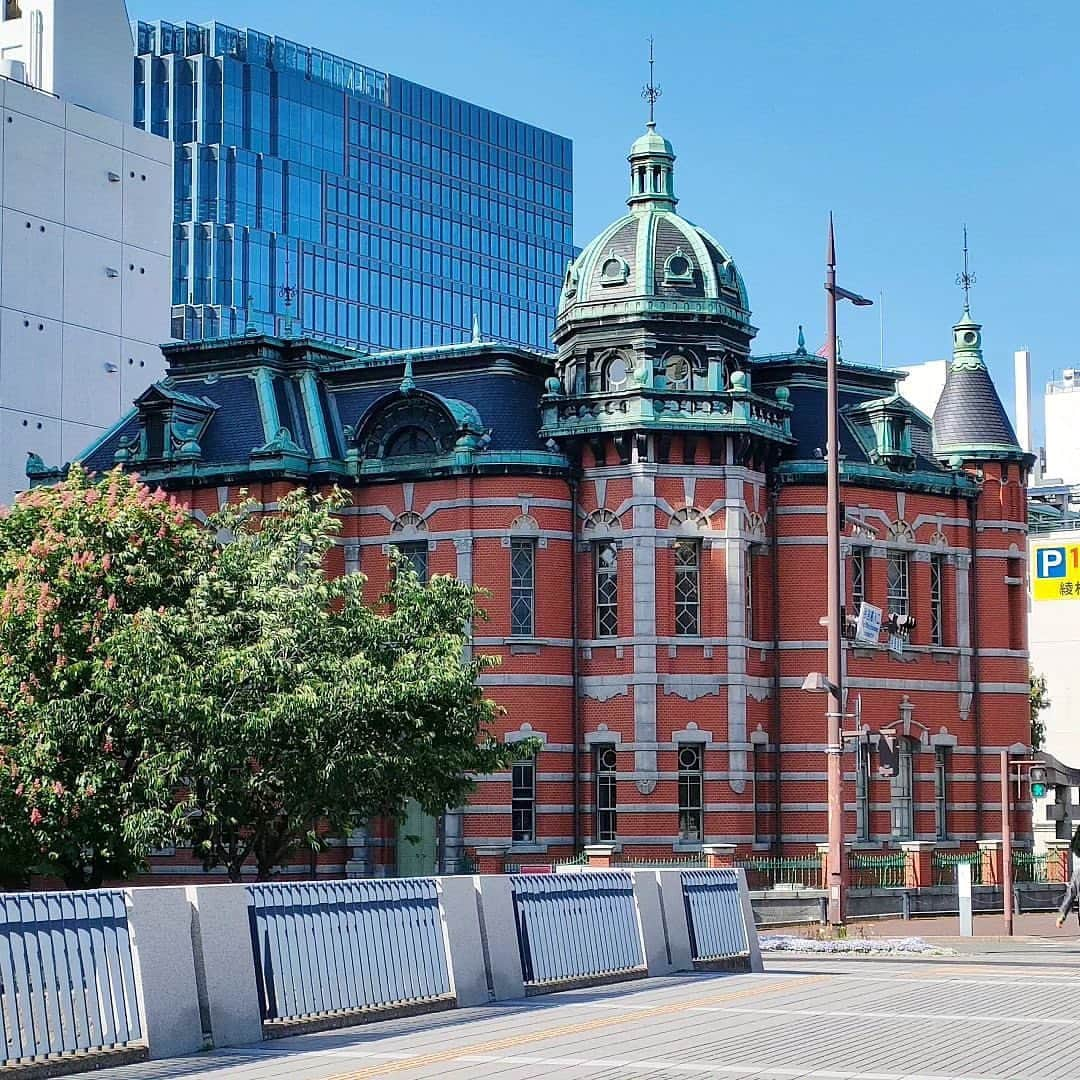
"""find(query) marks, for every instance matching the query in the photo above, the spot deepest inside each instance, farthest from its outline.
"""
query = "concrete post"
(823, 854)
(674, 914)
(751, 926)
(160, 923)
(963, 889)
(600, 856)
(919, 864)
(649, 903)
(502, 955)
(719, 856)
(225, 962)
(489, 860)
(461, 917)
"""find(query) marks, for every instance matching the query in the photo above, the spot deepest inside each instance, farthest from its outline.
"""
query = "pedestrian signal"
(1037, 777)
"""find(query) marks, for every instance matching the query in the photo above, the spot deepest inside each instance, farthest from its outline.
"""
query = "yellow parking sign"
(1057, 572)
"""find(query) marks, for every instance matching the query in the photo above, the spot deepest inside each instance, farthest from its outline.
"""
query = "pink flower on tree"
(36, 816)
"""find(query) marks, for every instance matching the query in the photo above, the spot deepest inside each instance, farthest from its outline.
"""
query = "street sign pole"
(1006, 846)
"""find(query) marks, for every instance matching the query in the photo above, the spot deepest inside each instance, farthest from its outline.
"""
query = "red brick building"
(646, 508)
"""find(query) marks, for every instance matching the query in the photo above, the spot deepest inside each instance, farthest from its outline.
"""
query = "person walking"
(1072, 892)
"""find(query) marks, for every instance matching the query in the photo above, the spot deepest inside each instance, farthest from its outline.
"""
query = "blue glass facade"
(379, 213)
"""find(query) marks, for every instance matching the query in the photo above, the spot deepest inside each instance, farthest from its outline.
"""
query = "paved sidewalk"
(1009, 1015)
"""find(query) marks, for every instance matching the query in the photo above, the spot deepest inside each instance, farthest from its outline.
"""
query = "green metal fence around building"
(869, 871)
(946, 862)
(803, 871)
(1029, 867)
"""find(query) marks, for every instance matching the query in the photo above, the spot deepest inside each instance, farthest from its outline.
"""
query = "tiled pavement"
(1009, 1014)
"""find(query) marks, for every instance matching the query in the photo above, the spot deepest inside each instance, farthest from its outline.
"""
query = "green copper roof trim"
(108, 433)
(309, 393)
(268, 410)
(853, 472)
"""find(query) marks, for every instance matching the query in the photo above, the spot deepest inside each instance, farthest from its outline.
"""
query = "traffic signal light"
(1037, 778)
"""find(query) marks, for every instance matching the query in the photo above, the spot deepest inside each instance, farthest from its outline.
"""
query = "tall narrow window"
(937, 621)
(690, 796)
(903, 809)
(757, 793)
(606, 557)
(522, 587)
(897, 596)
(523, 801)
(862, 790)
(858, 579)
(749, 584)
(941, 791)
(416, 551)
(687, 587)
(606, 793)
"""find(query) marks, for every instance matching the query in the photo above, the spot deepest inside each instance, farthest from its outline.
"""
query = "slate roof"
(969, 415)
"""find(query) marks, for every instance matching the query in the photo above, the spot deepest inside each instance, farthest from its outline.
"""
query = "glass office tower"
(350, 204)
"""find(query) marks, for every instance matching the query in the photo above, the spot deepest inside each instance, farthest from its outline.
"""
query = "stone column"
(489, 860)
(1057, 861)
(919, 868)
(991, 862)
(823, 854)
(643, 580)
(599, 856)
(357, 865)
(719, 856)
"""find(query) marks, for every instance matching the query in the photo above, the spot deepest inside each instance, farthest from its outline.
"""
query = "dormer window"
(614, 270)
(155, 435)
(678, 268)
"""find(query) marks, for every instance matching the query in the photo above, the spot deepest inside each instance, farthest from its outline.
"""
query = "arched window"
(410, 440)
(902, 792)
(616, 374)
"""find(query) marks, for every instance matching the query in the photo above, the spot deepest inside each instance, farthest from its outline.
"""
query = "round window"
(618, 373)
(969, 337)
(677, 372)
(689, 757)
(612, 270)
(679, 266)
(607, 759)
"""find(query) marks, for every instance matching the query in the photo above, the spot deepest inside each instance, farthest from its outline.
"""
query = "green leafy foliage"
(86, 782)
(1039, 699)
(303, 703)
(162, 682)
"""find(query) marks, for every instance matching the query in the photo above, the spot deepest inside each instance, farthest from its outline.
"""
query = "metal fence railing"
(573, 926)
(324, 948)
(67, 983)
(868, 871)
(714, 914)
(792, 871)
(945, 864)
(646, 862)
(1029, 867)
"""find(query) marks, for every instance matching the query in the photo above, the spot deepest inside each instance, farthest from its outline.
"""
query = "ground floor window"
(606, 793)
(523, 804)
(690, 793)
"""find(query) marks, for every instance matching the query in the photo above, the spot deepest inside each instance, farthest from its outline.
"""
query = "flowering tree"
(302, 702)
(87, 780)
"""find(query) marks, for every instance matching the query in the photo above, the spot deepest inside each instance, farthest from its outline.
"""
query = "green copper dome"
(653, 258)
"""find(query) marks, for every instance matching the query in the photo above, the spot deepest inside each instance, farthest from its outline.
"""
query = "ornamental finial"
(408, 383)
(965, 279)
(800, 349)
(650, 92)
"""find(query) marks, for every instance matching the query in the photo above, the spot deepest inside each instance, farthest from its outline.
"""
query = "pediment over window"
(171, 425)
(884, 427)
(418, 424)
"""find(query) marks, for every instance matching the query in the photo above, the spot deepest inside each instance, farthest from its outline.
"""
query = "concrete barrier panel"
(502, 956)
(461, 917)
(674, 910)
(225, 963)
(160, 924)
(650, 909)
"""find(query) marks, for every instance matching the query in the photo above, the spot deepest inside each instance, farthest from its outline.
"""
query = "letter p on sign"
(1050, 563)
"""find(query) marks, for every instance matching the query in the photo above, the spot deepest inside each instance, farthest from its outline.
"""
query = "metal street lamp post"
(834, 675)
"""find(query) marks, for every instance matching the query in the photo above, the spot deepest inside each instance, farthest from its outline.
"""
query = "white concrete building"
(1061, 405)
(85, 231)
(924, 383)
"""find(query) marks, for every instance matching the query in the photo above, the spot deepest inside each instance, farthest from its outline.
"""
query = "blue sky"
(905, 119)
